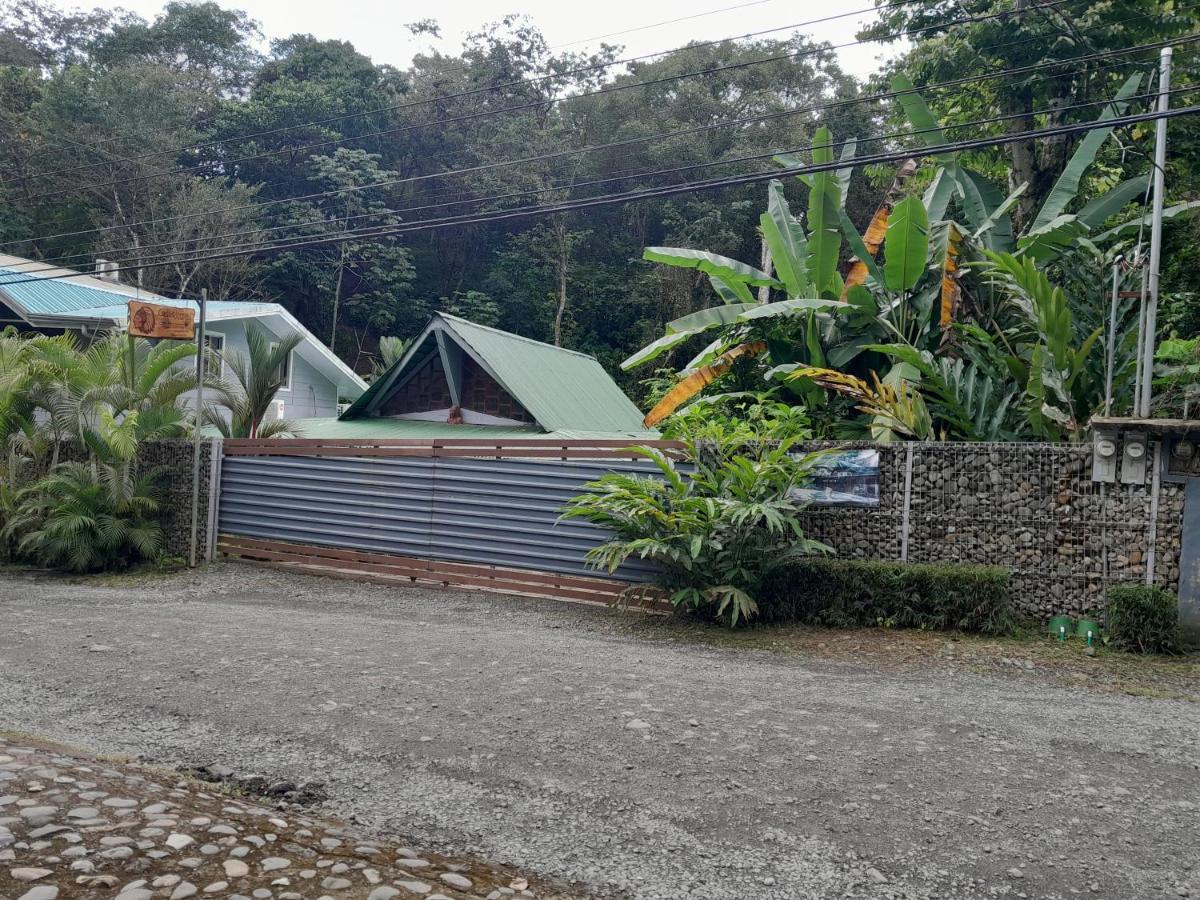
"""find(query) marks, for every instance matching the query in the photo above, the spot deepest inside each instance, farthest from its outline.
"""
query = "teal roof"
(63, 297)
(564, 390)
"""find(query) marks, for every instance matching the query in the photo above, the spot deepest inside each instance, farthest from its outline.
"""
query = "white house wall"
(311, 394)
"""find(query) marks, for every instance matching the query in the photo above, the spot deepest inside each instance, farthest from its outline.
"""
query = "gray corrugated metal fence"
(501, 512)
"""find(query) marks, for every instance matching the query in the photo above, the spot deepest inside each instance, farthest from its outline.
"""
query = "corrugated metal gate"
(455, 510)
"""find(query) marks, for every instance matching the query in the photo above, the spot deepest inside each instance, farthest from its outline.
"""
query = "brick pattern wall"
(427, 390)
(1030, 507)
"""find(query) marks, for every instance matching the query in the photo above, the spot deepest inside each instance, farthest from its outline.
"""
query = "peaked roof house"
(32, 298)
(459, 379)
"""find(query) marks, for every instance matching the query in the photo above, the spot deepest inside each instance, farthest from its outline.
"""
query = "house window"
(214, 365)
(284, 372)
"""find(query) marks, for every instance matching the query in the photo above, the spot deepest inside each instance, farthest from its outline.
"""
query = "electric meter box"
(1134, 451)
(1104, 456)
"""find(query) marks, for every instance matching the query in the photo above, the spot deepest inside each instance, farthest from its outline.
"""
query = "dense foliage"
(968, 328)
(73, 494)
(716, 530)
(1142, 619)
(95, 106)
(137, 139)
(860, 593)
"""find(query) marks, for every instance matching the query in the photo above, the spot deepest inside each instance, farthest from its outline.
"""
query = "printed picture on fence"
(842, 478)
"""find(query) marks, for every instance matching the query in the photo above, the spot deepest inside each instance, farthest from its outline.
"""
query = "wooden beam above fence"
(532, 448)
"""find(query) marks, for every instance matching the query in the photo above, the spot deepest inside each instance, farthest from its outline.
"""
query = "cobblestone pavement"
(71, 827)
(546, 736)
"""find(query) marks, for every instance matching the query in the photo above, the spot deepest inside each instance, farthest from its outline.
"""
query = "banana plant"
(917, 300)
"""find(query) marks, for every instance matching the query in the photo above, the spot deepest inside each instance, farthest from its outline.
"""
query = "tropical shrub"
(717, 531)
(844, 593)
(968, 327)
(738, 424)
(92, 405)
(1142, 619)
(94, 515)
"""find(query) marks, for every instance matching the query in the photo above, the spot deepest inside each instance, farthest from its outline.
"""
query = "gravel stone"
(786, 742)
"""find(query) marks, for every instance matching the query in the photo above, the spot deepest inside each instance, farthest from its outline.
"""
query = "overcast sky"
(377, 29)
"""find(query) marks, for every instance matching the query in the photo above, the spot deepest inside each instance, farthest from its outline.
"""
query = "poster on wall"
(842, 478)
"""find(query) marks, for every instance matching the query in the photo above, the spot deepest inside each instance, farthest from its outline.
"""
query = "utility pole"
(196, 437)
(1142, 404)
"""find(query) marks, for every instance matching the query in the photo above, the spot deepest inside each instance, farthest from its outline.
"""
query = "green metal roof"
(564, 391)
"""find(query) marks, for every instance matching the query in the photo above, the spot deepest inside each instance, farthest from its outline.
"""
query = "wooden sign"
(153, 320)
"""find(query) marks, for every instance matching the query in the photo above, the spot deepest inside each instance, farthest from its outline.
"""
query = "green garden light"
(1061, 626)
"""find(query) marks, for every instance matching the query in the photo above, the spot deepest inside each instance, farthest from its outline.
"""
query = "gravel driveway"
(544, 735)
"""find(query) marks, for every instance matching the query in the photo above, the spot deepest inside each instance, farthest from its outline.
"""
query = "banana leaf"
(711, 264)
(712, 317)
(1066, 188)
(787, 242)
(788, 308)
(824, 242)
(656, 349)
(1131, 226)
(698, 380)
(927, 128)
(979, 198)
(906, 246)
(1098, 211)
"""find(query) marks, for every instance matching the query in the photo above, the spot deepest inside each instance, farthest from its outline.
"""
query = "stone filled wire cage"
(1030, 507)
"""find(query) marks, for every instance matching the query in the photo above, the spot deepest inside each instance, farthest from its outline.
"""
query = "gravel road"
(545, 736)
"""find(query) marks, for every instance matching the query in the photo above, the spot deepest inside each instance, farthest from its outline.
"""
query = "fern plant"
(716, 532)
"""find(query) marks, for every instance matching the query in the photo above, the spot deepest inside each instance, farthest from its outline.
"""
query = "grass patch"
(1027, 654)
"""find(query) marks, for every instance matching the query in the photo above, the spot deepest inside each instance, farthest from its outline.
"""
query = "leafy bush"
(1142, 619)
(736, 423)
(94, 515)
(854, 593)
(717, 532)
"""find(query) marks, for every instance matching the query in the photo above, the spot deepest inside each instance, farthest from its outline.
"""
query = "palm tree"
(258, 375)
(99, 514)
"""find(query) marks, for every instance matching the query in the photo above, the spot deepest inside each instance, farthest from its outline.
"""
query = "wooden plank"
(472, 570)
(348, 575)
(430, 573)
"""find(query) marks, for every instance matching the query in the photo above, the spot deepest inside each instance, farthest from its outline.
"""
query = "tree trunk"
(337, 297)
(764, 292)
(1018, 103)
(564, 251)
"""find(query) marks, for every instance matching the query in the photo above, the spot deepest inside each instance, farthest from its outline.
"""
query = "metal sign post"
(1142, 403)
(196, 438)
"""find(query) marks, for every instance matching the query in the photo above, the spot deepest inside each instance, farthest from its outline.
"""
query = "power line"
(539, 104)
(884, 95)
(652, 193)
(711, 12)
(615, 177)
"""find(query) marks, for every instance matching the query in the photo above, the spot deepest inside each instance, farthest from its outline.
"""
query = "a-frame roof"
(564, 391)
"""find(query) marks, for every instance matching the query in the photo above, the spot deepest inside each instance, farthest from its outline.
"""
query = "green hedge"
(1142, 619)
(856, 593)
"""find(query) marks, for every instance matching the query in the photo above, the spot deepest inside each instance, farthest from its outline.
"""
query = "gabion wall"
(1030, 507)
(175, 457)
